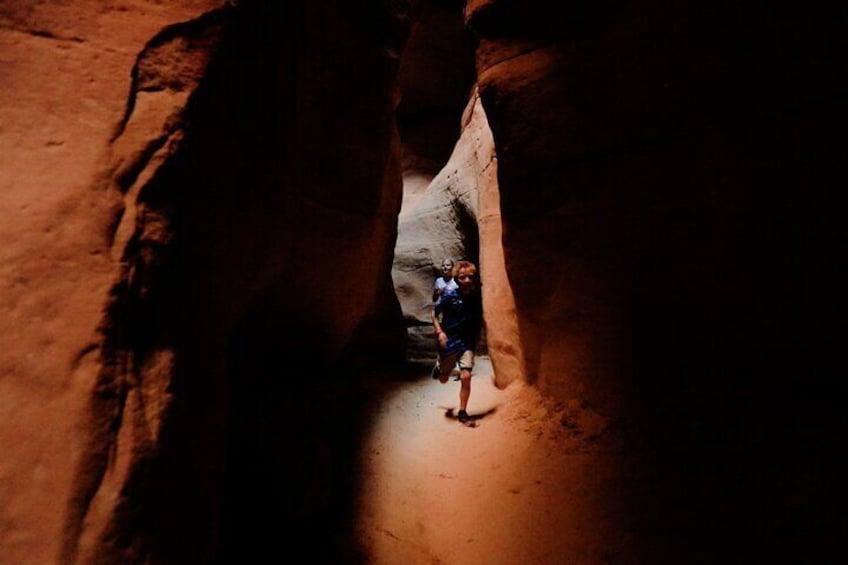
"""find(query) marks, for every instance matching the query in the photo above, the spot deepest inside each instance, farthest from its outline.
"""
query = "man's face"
(447, 266)
(465, 279)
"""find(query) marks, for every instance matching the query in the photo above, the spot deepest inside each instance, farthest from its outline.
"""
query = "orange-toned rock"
(65, 77)
(436, 76)
(666, 177)
(503, 339)
(174, 223)
(442, 223)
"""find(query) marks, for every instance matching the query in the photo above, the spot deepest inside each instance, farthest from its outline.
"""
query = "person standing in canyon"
(457, 321)
(444, 282)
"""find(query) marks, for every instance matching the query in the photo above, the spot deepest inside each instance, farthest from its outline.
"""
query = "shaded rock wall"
(436, 78)
(458, 216)
(198, 210)
(65, 75)
(503, 342)
(667, 179)
(441, 223)
(187, 258)
(439, 216)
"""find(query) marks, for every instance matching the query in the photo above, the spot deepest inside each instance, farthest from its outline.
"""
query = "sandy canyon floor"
(518, 487)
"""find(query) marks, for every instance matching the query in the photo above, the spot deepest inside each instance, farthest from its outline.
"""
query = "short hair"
(464, 266)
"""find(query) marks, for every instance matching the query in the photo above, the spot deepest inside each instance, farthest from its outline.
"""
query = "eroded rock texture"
(438, 221)
(503, 342)
(65, 75)
(436, 78)
(442, 223)
(667, 179)
(185, 257)
(199, 202)
(459, 217)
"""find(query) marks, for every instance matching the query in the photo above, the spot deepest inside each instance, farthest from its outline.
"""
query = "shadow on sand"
(472, 419)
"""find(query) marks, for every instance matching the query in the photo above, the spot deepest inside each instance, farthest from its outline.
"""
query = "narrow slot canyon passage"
(514, 484)
(221, 220)
(516, 488)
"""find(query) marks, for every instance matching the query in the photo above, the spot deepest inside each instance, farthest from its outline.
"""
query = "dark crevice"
(45, 33)
(192, 29)
(129, 172)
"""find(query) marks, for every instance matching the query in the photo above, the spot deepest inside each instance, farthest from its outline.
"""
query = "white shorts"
(449, 361)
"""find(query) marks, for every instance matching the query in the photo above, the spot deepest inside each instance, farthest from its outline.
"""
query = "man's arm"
(440, 334)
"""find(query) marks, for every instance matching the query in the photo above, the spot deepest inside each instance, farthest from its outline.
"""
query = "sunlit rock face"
(666, 177)
(442, 224)
(436, 79)
(503, 339)
(198, 205)
(189, 239)
(77, 131)
(458, 217)
(451, 207)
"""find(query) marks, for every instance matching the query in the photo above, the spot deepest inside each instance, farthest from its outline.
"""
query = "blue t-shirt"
(462, 318)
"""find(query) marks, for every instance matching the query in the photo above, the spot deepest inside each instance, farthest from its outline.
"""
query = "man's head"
(465, 273)
(447, 268)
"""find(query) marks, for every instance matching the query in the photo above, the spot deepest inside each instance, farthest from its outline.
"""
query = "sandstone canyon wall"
(65, 80)
(458, 216)
(668, 179)
(436, 79)
(199, 208)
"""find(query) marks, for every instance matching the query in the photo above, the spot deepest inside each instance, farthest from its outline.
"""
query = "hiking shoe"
(462, 416)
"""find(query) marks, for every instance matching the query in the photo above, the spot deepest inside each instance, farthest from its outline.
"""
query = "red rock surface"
(173, 224)
(199, 205)
(64, 82)
(665, 175)
(437, 219)
(458, 216)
